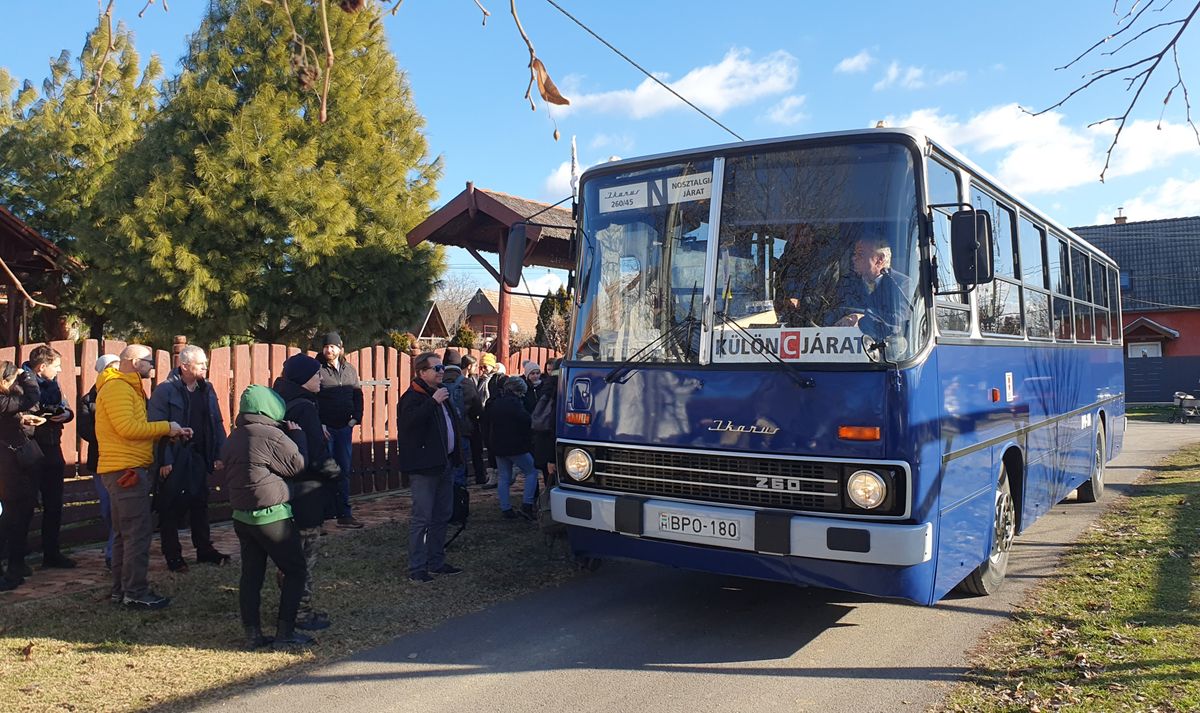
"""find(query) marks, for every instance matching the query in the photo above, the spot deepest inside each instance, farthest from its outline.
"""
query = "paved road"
(639, 637)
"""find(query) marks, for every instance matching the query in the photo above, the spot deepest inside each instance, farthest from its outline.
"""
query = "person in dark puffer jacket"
(310, 491)
(258, 456)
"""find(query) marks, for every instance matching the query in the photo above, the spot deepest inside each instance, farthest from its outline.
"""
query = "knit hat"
(489, 360)
(258, 399)
(452, 358)
(105, 361)
(529, 366)
(299, 368)
(331, 338)
(516, 387)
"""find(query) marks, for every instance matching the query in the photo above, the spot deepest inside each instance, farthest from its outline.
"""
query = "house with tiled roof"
(483, 315)
(1160, 301)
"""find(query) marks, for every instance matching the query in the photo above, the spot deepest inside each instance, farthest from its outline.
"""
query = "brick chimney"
(1120, 219)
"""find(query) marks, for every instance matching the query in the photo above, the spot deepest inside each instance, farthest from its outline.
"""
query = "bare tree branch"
(484, 10)
(328, 63)
(21, 288)
(106, 18)
(1137, 82)
(151, 2)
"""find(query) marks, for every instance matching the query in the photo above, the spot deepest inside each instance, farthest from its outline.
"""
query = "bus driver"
(872, 297)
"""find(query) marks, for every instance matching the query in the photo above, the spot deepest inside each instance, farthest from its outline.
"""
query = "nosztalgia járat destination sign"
(661, 191)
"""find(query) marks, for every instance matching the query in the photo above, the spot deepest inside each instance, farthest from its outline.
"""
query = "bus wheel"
(1093, 490)
(989, 575)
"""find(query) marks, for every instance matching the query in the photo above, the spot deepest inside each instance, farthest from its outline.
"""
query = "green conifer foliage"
(239, 214)
(58, 147)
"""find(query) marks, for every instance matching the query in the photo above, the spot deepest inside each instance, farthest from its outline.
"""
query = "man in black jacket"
(428, 449)
(184, 466)
(44, 365)
(298, 386)
(341, 407)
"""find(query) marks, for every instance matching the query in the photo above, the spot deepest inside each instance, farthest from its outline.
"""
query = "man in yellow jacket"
(126, 441)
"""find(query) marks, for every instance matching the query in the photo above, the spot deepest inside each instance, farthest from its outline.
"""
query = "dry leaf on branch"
(546, 85)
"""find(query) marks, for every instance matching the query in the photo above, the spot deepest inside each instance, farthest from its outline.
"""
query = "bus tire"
(989, 575)
(1093, 489)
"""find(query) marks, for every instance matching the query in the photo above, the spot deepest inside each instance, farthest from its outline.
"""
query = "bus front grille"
(757, 482)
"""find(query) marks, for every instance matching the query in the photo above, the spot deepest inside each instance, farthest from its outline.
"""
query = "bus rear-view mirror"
(971, 247)
(514, 255)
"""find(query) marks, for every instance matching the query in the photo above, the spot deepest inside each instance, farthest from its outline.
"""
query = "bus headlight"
(866, 489)
(578, 464)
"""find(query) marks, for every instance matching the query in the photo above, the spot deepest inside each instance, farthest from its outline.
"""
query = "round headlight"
(578, 464)
(866, 489)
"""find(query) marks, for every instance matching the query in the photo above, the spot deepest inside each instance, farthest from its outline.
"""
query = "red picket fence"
(384, 372)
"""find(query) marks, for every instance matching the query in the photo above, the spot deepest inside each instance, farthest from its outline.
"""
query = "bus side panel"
(964, 525)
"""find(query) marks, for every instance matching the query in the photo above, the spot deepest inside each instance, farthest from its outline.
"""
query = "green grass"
(79, 653)
(1120, 629)
(1149, 412)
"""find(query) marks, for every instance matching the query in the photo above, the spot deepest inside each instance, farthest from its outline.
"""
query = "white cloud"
(540, 285)
(855, 64)
(908, 77)
(734, 81)
(1173, 199)
(621, 143)
(558, 183)
(1144, 145)
(787, 111)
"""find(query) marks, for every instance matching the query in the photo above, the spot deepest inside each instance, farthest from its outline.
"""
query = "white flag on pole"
(574, 169)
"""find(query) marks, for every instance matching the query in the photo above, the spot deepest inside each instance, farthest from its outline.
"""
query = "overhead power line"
(641, 69)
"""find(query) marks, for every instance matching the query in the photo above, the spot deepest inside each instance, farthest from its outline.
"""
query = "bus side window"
(1058, 260)
(953, 315)
(1033, 274)
(999, 302)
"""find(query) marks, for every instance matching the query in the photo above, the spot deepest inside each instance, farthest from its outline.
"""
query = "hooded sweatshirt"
(125, 437)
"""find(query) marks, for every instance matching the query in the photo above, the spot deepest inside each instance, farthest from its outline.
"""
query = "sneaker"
(508, 514)
(420, 577)
(313, 621)
(177, 564)
(528, 512)
(108, 563)
(147, 602)
(116, 598)
(57, 561)
(446, 569)
(7, 585)
(349, 523)
(212, 557)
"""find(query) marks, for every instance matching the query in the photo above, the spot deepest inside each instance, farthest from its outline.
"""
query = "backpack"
(458, 400)
(542, 418)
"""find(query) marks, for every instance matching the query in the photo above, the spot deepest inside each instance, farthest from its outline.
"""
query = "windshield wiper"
(625, 367)
(791, 370)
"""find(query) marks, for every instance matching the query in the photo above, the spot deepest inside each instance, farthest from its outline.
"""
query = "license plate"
(699, 526)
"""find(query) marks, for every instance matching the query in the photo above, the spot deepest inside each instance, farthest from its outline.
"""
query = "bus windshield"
(816, 245)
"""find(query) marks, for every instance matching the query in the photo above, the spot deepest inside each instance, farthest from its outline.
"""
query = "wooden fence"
(384, 372)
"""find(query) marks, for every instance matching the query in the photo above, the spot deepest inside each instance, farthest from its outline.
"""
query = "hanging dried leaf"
(546, 86)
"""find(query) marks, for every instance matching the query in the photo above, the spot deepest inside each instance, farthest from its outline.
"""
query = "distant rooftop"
(1159, 260)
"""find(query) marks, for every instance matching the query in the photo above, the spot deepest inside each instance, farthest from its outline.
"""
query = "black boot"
(312, 621)
(255, 639)
(286, 637)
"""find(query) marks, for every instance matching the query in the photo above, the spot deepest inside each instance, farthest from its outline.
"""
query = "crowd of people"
(285, 464)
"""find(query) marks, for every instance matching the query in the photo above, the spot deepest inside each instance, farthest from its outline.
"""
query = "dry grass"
(79, 653)
(1120, 630)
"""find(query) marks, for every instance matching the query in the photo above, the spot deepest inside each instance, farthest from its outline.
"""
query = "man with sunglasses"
(428, 451)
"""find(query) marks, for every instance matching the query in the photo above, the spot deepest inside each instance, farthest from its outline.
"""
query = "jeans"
(505, 465)
(280, 541)
(134, 528)
(341, 443)
(460, 471)
(105, 513)
(432, 506)
(50, 484)
(310, 545)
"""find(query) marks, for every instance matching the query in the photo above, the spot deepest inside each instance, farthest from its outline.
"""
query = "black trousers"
(477, 454)
(279, 541)
(50, 486)
(14, 530)
(170, 519)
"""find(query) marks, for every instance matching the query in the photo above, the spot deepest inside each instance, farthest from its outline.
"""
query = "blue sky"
(762, 68)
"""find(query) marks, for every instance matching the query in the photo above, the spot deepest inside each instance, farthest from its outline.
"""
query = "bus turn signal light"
(579, 418)
(858, 433)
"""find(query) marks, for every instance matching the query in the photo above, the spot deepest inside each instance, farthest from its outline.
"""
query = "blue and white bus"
(849, 360)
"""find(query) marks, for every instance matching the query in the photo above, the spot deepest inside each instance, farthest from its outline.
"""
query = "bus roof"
(917, 135)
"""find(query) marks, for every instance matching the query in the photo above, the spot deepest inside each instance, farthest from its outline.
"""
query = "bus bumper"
(765, 532)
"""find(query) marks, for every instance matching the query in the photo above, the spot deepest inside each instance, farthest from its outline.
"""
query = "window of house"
(1140, 350)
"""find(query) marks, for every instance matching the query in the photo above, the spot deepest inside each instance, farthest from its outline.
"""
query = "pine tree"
(554, 315)
(58, 148)
(240, 214)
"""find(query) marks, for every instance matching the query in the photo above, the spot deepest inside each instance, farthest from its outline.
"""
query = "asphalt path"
(639, 637)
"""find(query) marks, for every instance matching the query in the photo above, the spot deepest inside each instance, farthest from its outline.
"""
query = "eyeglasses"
(439, 368)
(148, 360)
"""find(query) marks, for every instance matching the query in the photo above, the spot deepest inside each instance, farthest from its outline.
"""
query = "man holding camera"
(44, 366)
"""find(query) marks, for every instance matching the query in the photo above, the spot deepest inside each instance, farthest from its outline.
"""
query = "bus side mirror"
(514, 255)
(971, 247)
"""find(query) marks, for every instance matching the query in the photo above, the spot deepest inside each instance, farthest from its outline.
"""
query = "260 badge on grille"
(699, 526)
